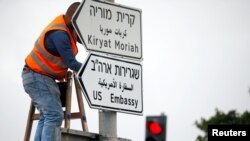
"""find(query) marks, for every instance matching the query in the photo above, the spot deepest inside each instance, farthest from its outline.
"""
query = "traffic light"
(156, 128)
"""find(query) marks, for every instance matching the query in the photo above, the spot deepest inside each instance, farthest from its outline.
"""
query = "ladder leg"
(81, 105)
(29, 122)
(68, 101)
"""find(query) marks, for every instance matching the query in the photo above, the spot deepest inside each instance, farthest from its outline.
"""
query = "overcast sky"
(196, 59)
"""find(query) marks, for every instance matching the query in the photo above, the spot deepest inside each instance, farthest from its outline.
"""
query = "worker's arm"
(58, 43)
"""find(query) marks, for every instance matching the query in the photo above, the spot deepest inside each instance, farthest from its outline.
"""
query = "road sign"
(109, 28)
(112, 84)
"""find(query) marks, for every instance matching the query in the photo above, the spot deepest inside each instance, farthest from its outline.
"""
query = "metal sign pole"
(108, 120)
(108, 123)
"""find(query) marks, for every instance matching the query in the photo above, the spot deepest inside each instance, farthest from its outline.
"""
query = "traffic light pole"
(108, 121)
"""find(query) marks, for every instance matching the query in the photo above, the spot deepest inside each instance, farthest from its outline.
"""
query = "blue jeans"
(45, 95)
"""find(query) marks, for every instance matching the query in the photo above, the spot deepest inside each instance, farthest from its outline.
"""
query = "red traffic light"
(154, 127)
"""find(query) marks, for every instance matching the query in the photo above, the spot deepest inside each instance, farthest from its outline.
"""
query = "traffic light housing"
(156, 128)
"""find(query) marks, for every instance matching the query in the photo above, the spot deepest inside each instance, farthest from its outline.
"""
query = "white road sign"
(112, 84)
(109, 28)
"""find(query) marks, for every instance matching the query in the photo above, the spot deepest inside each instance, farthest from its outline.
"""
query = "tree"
(232, 118)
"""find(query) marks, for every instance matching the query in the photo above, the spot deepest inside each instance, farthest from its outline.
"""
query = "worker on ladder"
(53, 53)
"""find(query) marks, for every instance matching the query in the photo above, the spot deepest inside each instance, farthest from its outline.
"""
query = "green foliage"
(232, 117)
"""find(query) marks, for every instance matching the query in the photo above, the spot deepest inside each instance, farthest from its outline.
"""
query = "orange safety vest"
(42, 61)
